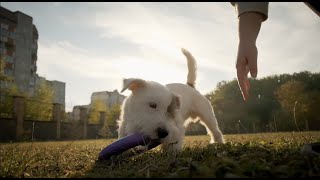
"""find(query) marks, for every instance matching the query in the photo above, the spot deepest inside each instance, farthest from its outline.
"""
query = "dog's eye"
(153, 105)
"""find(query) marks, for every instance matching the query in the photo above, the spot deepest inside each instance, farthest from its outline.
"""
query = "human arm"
(250, 15)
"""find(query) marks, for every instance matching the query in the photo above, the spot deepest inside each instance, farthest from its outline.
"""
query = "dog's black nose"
(162, 133)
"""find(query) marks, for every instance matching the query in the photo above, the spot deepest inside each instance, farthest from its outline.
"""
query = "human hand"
(246, 62)
(249, 27)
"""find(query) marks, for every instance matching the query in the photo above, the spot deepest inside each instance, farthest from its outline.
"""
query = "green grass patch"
(246, 155)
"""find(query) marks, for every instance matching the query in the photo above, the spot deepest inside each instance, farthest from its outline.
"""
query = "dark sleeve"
(257, 7)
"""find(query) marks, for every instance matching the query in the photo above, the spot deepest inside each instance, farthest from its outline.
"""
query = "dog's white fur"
(152, 105)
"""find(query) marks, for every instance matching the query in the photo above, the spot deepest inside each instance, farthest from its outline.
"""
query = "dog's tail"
(192, 68)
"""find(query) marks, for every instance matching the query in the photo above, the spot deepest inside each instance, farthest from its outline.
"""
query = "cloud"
(68, 57)
(288, 41)
(164, 31)
(144, 39)
(205, 29)
(85, 72)
(66, 62)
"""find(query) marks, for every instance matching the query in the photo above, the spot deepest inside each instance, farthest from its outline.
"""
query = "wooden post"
(102, 117)
(238, 127)
(84, 119)
(18, 114)
(307, 124)
(254, 127)
(56, 114)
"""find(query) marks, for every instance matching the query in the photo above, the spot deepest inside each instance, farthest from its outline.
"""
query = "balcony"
(7, 58)
(33, 70)
(12, 28)
(4, 32)
(12, 35)
(34, 46)
(34, 56)
(11, 41)
(10, 53)
(4, 26)
(4, 39)
(3, 51)
(8, 65)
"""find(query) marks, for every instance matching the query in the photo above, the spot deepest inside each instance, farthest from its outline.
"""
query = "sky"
(94, 46)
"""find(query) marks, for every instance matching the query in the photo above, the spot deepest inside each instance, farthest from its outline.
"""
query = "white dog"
(162, 112)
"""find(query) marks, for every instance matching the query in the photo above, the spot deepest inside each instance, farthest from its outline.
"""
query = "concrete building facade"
(109, 98)
(57, 87)
(18, 54)
(18, 49)
(76, 111)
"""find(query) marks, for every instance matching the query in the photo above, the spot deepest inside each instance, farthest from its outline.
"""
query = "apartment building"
(18, 54)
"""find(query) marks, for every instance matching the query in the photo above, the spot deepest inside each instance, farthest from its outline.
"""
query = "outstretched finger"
(243, 80)
(252, 63)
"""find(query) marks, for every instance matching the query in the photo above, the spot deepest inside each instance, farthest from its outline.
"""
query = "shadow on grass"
(231, 160)
(126, 165)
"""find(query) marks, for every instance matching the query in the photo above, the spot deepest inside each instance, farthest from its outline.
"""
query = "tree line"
(286, 102)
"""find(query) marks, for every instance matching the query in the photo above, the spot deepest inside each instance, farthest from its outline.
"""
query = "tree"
(109, 128)
(40, 106)
(289, 93)
(295, 101)
(94, 111)
(266, 110)
(113, 115)
(110, 124)
(3, 77)
(228, 105)
(8, 89)
(7, 99)
(312, 116)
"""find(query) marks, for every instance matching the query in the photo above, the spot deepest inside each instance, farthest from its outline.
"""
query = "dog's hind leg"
(205, 112)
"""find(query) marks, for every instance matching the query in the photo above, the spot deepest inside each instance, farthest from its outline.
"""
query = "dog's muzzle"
(162, 133)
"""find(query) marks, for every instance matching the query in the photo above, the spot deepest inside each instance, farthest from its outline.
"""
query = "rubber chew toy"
(127, 143)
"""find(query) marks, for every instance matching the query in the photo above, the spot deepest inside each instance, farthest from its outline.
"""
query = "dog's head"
(150, 109)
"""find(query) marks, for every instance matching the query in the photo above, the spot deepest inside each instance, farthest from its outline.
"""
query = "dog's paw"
(172, 147)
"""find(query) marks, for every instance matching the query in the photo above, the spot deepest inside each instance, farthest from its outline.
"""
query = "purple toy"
(127, 143)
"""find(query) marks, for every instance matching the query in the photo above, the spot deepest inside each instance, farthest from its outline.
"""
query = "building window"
(8, 65)
(8, 72)
(12, 35)
(4, 38)
(10, 47)
(12, 28)
(10, 53)
(11, 41)
(3, 32)
(3, 51)
(4, 26)
(9, 59)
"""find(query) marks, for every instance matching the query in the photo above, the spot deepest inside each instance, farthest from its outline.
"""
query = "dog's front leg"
(174, 141)
(121, 130)
(172, 147)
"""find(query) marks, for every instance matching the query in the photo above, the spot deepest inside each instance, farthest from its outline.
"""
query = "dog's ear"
(133, 84)
(174, 105)
(176, 101)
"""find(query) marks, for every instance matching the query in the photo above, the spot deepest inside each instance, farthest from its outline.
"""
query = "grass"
(248, 155)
